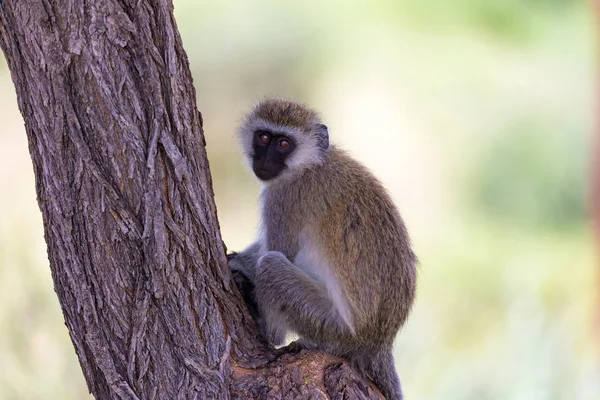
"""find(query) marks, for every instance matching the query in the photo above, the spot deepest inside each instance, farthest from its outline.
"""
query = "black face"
(270, 151)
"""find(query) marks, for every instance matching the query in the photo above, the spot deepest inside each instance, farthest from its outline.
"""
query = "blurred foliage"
(535, 160)
(475, 114)
(508, 19)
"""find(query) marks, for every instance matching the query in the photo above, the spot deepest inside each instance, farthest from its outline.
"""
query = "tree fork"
(125, 191)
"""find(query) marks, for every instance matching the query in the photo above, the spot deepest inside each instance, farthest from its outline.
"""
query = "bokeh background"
(478, 117)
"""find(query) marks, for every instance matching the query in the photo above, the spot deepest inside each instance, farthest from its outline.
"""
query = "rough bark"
(125, 192)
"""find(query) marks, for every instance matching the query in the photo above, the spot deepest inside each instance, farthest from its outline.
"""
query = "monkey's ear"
(323, 136)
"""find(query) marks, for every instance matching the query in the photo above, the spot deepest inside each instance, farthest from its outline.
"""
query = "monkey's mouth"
(266, 172)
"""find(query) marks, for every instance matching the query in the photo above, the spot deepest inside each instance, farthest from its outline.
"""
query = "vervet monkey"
(333, 261)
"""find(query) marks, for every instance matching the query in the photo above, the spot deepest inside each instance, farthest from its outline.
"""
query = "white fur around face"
(305, 154)
(311, 260)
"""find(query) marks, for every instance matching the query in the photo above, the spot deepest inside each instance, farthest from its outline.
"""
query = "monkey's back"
(352, 219)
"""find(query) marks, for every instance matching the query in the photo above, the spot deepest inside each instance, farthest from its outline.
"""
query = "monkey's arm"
(287, 297)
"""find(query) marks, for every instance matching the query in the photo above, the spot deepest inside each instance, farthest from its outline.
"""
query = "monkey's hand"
(244, 263)
(244, 284)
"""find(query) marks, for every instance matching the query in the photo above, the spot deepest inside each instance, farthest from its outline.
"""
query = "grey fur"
(334, 262)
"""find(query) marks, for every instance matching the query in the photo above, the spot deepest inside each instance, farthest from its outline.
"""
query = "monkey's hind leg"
(288, 297)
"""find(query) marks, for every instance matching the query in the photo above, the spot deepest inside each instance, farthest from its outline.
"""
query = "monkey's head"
(279, 136)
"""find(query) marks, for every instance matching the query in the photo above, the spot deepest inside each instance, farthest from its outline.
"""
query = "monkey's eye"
(263, 137)
(284, 144)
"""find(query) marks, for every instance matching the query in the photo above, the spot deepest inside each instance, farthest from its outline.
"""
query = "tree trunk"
(125, 191)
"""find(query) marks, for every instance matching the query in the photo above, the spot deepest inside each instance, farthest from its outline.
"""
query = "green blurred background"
(476, 114)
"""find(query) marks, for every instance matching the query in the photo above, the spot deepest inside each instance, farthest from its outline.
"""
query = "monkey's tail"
(381, 370)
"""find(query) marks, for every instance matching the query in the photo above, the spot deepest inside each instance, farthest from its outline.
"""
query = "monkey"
(333, 260)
